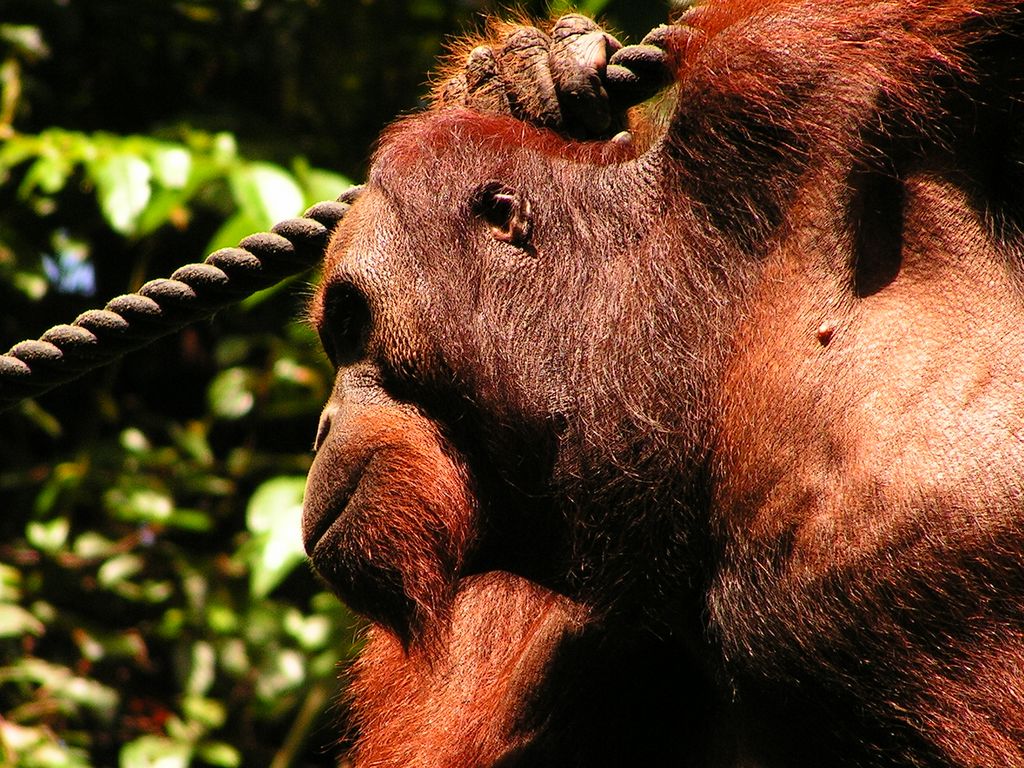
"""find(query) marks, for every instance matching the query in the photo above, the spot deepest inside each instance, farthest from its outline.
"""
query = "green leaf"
(177, 178)
(319, 183)
(172, 166)
(118, 569)
(265, 193)
(274, 518)
(231, 394)
(171, 624)
(71, 691)
(65, 477)
(220, 754)
(38, 747)
(195, 520)
(150, 591)
(140, 504)
(282, 673)
(123, 188)
(311, 632)
(134, 441)
(208, 712)
(202, 669)
(155, 752)
(241, 225)
(49, 536)
(234, 658)
(91, 545)
(15, 621)
(25, 39)
(222, 619)
(164, 205)
(587, 7)
(224, 148)
(233, 350)
(49, 173)
(10, 584)
(16, 150)
(33, 286)
(192, 439)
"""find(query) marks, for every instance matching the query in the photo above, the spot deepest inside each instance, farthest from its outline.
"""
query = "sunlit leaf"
(231, 393)
(90, 648)
(274, 518)
(234, 658)
(18, 738)
(48, 536)
(134, 440)
(172, 166)
(265, 193)
(48, 174)
(224, 149)
(588, 7)
(119, 568)
(68, 689)
(32, 285)
(16, 150)
(287, 369)
(311, 632)
(232, 231)
(284, 672)
(219, 754)
(38, 747)
(44, 611)
(320, 184)
(15, 621)
(10, 584)
(25, 39)
(123, 188)
(201, 671)
(222, 619)
(192, 439)
(140, 504)
(93, 545)
(155, 752)
(165, 206)
(209, 712)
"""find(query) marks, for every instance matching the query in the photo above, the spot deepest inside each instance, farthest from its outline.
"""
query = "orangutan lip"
(323, 525)
(328, 517)
(324, 518)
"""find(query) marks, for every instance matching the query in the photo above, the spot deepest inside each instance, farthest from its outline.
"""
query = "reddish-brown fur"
(723, 466)
(464, 705)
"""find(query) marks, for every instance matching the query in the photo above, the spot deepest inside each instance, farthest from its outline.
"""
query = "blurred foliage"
(155, 608)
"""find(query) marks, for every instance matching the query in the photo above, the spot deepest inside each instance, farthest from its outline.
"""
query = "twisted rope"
(160, 307)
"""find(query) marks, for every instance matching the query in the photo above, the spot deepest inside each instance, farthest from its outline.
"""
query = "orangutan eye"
(345, 327)
(506, 212)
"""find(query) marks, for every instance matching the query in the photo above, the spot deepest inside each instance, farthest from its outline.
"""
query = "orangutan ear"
(506, 212)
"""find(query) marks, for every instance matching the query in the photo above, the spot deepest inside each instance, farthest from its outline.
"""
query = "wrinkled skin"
(706, 451)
